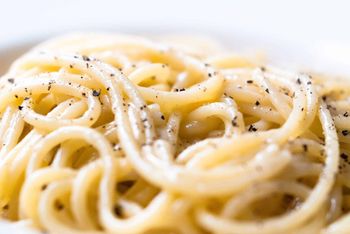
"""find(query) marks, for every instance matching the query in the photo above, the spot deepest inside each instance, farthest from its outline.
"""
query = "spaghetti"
(121, 134)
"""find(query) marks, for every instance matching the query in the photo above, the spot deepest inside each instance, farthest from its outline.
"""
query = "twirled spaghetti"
(120, 134)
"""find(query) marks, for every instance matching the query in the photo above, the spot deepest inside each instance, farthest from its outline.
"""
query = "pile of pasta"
(106, 133)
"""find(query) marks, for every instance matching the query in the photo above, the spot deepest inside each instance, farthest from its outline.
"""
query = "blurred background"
(313, 33)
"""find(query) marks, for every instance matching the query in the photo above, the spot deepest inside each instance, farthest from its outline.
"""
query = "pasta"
(104, 133)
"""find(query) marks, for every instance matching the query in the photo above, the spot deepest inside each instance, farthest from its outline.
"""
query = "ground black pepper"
(252, 128)
(86, 58)
(96, 93)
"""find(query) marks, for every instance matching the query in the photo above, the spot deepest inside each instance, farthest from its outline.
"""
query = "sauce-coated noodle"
(120, 134)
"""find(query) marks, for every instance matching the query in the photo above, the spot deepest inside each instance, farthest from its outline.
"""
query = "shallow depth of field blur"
(312, 34)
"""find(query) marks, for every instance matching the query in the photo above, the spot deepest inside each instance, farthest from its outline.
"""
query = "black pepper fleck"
(96, 93)
(234, 121)
(344, 156)
(252, 128)
(86, 58)
(305, 147)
